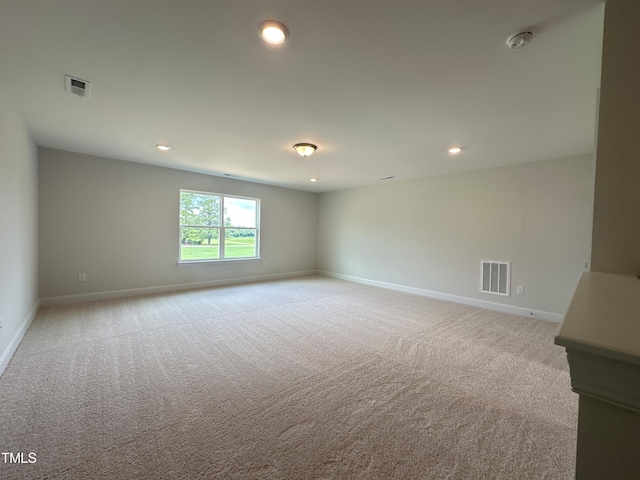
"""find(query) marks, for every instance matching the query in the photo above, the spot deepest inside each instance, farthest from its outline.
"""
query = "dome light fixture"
(305, 149)
(314, 180)
(163, 148)
(273, 32)
(455, 150)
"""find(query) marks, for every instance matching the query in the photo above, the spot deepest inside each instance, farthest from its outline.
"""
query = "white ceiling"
(383, 87)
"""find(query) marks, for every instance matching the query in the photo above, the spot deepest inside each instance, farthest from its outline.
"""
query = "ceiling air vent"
(495, 277)
(77, 86)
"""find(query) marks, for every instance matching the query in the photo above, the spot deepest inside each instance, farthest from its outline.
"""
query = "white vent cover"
(77, 86)
(495, 277)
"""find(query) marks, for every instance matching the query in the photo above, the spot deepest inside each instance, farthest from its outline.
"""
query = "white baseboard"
(17, 338)
(132, 292)
(501, 307)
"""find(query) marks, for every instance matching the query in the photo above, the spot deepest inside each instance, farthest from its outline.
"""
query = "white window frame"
(221, 228)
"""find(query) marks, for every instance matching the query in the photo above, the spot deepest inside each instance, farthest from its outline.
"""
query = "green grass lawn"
(198, 252)
(235, 247)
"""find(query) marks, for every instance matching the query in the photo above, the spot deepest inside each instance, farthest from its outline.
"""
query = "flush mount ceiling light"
(273, 32)
(313, 180)
(305, 149)
(455, 150)
(518, 40)
(163, 148)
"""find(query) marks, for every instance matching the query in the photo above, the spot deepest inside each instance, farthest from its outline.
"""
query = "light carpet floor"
(306, 378)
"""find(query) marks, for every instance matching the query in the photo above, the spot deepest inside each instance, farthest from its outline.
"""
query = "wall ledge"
(600, 333)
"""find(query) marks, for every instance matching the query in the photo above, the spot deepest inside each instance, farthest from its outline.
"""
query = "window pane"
(199, 209)
(239, 242)
(199, 243)
(216, 227)
(240, 212)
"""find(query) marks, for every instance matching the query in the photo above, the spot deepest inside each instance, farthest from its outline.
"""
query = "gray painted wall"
(18, 226)
(616, 224)
(432, 233)
(117, 222)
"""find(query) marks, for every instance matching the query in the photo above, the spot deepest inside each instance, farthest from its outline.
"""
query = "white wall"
(18, 229)
(117, 222)
(431, 233)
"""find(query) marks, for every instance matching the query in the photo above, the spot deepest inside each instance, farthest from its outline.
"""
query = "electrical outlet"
(520, 290)
(82, 277)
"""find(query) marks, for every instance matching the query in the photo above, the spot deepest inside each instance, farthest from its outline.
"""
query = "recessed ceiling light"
(455, 150)
(519, 40)
(162, 147)
(273, 32)
(313, 180)
(305, 149)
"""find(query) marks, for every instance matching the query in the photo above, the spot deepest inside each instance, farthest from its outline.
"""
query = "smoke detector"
(519, 40)
(77, 86)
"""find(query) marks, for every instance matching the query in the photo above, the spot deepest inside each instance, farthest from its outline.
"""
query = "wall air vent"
(495, 277)
(77, 86)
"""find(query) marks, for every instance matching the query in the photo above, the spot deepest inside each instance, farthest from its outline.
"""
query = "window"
(218, 227)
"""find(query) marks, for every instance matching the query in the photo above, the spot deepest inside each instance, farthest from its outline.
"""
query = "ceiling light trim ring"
(519, 40)
(268, 28)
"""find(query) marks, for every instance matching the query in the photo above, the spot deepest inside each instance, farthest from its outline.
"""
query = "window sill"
(200, 263)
